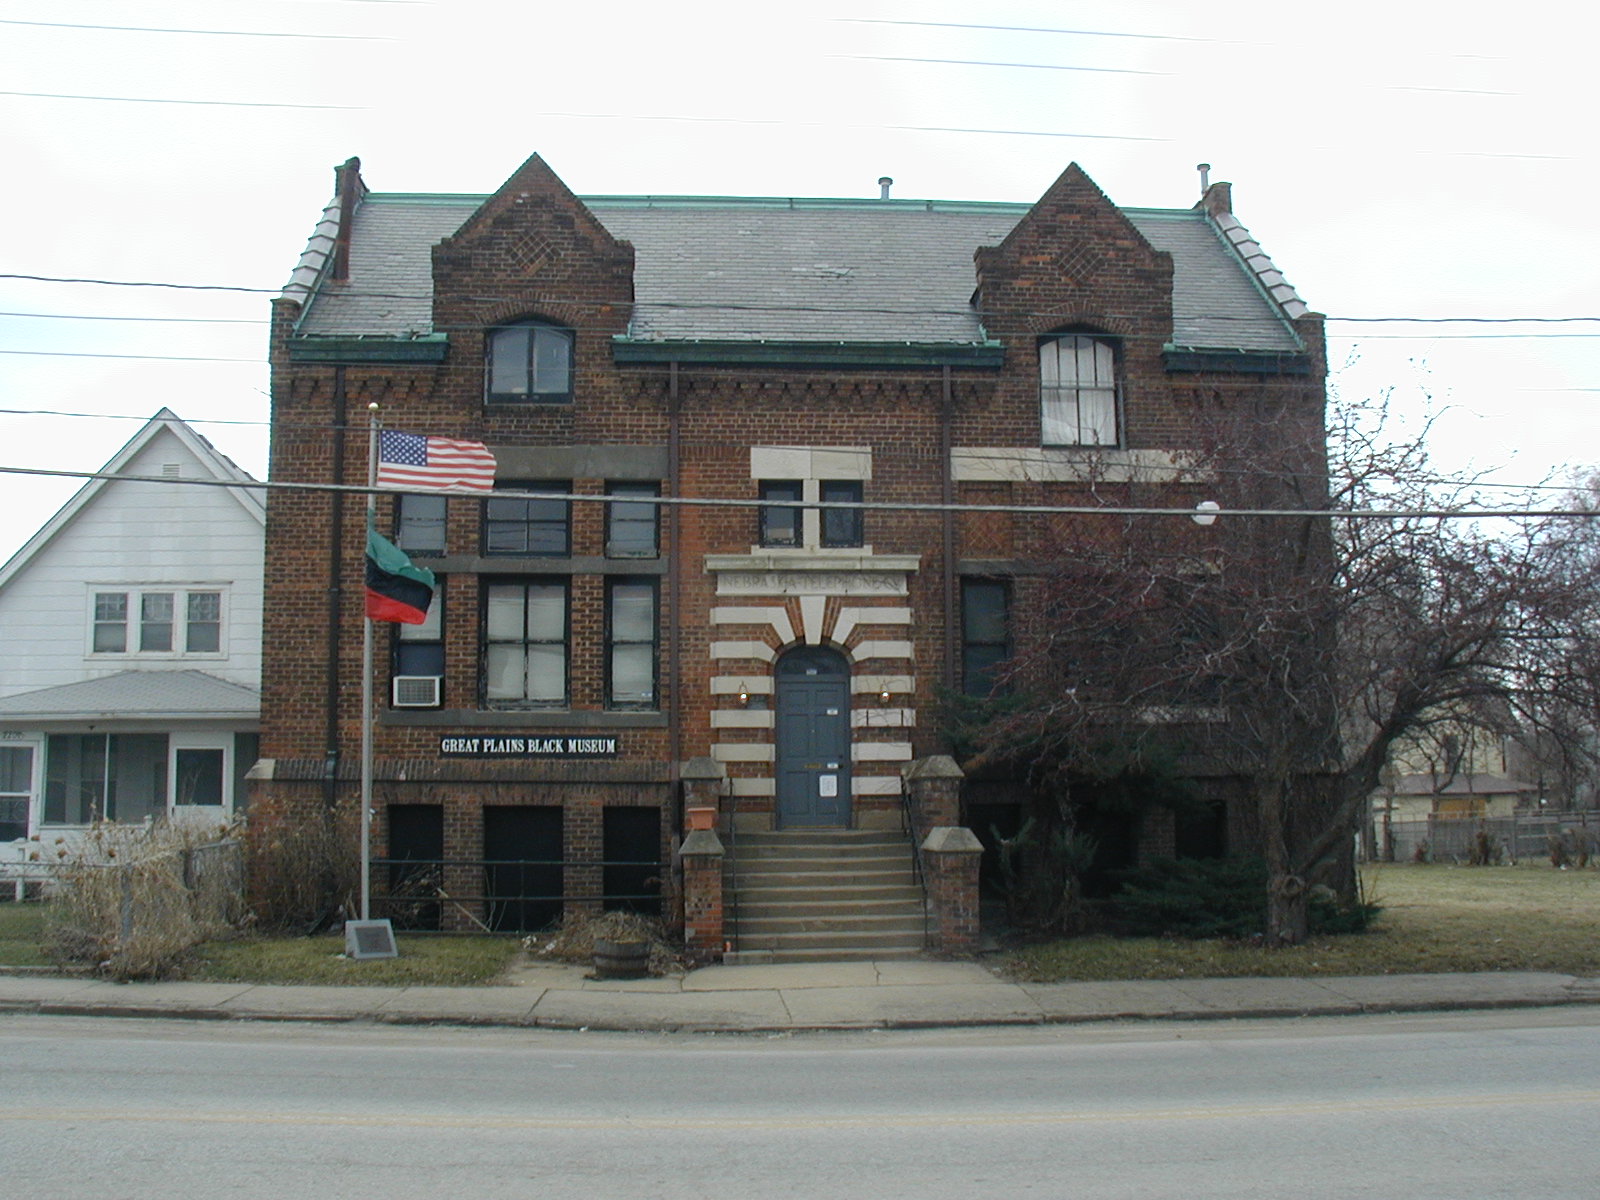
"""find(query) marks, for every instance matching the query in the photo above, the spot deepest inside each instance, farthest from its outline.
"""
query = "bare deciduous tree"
(1290, 653)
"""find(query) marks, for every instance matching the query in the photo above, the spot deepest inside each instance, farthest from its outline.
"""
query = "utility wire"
(160, 100)
(1153, 37)
(974, 62)
(323, 428)
(1079, 510)
(43, 316)
(334, 37)
(715, 306)
(1256, 385)
(789, 124)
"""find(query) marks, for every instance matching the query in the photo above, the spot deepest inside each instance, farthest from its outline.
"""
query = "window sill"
(859, 558)
(527, 401)
(495, 564)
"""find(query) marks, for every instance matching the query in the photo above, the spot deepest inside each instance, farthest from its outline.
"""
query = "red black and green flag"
(397, 589)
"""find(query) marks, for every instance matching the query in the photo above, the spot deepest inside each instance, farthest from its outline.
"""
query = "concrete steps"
(824, 896)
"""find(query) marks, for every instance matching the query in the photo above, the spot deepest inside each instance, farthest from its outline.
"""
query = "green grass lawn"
(425, 959)
(21, 928)
(431, 959)
(1435, 918)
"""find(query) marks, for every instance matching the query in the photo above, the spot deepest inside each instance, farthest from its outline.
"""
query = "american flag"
(409, 460)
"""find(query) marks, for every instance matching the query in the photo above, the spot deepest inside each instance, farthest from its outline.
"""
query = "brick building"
(673, 602)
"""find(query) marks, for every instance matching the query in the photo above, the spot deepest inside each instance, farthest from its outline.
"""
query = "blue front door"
(813, 733)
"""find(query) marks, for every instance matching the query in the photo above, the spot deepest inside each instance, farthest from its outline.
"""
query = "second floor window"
(528, 526)
(157, 621)
(781, 523)
(1077, 391)
(419, 649)
(525, 644)
(840, 526)
(631, 643)
(530, 363)
(631, 527)
(420, 525)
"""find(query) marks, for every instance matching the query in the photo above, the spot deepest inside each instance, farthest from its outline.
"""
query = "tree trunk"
(1288, 920)
(1288, 910)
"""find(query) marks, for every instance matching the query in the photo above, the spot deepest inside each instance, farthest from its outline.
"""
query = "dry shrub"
(1571, 847)
(130, 901)
(574, 941)
(305, 874)
(1484, 850)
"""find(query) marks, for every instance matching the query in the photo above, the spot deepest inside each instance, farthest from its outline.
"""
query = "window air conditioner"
(416, 691)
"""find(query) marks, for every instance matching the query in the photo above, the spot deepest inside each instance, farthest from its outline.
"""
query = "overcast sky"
(1395, 160)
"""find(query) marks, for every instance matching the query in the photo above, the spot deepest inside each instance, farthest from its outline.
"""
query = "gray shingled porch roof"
(137, 695)
(818, 271)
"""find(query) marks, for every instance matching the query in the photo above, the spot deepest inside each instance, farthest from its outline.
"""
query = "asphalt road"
(1467, 1105)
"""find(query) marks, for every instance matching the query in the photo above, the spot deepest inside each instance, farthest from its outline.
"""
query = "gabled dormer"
(1075, 261)
(532, 287)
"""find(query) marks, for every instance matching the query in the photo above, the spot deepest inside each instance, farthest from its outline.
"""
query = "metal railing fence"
(1455, 839)
(509, 895)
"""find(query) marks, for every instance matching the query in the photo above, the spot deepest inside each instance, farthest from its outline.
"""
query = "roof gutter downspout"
(947, 529)
(330, 774)
(674, 582)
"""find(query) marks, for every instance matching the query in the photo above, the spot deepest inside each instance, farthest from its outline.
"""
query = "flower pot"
(614, 959)
(702, 818)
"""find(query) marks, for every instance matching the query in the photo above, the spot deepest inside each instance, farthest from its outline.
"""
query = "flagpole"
(366, 680)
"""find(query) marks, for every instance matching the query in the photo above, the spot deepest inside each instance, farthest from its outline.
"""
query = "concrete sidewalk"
(777, 998)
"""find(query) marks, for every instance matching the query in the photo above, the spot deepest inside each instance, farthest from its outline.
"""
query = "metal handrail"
(908, 824)
(730, 885)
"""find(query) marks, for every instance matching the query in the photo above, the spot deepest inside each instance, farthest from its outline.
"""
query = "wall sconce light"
(884, 696)
(744, 696)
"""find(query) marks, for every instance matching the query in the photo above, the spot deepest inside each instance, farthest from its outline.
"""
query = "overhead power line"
(161, 100)
(199, 358)
(334, 37)
(42, 316)
(1103, 33)
(1071, 510)
(698, 305)
(1039, 133)
(974, 62)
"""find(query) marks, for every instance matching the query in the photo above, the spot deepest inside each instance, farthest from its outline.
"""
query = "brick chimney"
(347, 186)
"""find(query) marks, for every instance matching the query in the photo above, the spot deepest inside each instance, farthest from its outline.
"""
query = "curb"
(603, 1025)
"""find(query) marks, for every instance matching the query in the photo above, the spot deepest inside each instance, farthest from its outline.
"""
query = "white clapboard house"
(131, 628)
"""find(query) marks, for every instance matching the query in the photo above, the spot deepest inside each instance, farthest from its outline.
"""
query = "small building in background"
(131, 622)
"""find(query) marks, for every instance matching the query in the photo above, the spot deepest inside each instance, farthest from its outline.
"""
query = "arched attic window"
(529, 362)
(1078, 391)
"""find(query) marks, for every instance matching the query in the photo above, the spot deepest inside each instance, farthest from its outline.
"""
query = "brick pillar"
(701, 855)
(703, 785)
(934, 785)
(950, 857)
(702, 897)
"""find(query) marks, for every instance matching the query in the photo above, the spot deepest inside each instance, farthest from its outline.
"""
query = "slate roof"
(754, 270)
(143, 694)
